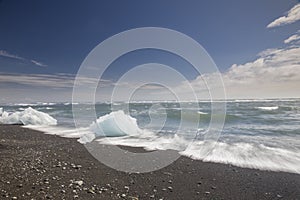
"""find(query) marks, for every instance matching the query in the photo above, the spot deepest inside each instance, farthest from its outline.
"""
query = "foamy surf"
(248, 155)
(268, 108)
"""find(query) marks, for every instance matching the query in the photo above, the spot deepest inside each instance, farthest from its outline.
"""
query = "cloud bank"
(49, 80)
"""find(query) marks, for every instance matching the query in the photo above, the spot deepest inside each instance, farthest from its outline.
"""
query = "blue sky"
(53, 37)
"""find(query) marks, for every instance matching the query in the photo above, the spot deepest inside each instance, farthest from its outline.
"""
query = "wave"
(240, 153)
(268, 108)
(60, 131)
(29, 116)
(202, 113)
(26, 104)
(36, 104)
(261, 100)
(70, 103)
(249, 155)
(118, 128)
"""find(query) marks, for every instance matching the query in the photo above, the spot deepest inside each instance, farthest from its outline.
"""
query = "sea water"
(261, 134)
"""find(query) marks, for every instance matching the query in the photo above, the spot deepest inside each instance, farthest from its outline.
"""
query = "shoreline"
(40, 166)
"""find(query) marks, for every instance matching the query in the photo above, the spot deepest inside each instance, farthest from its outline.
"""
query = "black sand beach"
(39, 166)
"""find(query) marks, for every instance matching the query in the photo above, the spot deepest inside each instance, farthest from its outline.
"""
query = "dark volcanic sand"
(38, 166)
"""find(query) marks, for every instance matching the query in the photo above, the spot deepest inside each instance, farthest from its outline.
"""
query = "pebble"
(91, 191)
(80, 183)
(49, 197)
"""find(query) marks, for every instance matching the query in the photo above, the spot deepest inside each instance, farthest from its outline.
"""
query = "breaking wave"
(268, 108)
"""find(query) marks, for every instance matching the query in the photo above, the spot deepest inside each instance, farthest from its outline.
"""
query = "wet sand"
(38, 166)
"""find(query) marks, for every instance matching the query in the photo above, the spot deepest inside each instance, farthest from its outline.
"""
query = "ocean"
(260, 134)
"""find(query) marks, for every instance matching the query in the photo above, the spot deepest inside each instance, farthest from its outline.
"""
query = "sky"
(255, 45)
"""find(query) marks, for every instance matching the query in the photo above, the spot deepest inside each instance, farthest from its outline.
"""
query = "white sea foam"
(29, 116)
(60, 131)
(248, 155)
(1, 111)
(202, 113)
(35, 104)
(68, 103)
(268, 108)
(26, 104)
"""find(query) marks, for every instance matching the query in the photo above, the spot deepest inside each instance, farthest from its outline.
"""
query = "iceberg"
(114, 124)
(29, 116)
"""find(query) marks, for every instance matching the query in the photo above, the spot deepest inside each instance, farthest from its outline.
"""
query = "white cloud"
(9, 55)
(292, 16)
(274, 74)
(293, 38)
(13, 56)
(278, 66)
(38, 63)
